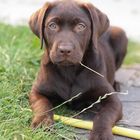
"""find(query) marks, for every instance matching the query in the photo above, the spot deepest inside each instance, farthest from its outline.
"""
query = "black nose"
(65, 49)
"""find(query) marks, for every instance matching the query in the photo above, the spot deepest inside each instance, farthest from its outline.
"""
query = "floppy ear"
(99, 22)
(37, 20)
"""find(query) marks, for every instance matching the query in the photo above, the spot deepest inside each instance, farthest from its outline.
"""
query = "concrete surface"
(131, 102)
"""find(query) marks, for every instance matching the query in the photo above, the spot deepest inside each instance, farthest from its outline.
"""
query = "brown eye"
(53, 26)
(80, 27)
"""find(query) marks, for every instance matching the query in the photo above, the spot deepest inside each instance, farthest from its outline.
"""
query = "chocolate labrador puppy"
(73, 32)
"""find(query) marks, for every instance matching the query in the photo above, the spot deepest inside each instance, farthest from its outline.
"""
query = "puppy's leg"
(40, 105)
(106, 118)
(116, 86)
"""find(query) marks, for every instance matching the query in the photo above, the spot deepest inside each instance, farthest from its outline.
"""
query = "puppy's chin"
(65, 62)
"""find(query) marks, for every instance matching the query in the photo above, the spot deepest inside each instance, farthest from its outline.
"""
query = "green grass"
(19, 62)
(133, 54)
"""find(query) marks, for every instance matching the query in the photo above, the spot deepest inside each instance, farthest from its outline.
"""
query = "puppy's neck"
(68, 73)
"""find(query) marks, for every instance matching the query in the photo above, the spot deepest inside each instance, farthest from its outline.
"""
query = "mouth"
(65, 63)
(69, 61)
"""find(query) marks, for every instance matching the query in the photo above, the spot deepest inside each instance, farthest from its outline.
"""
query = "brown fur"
(68, 42)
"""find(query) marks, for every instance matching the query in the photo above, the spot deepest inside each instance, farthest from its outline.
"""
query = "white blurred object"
(123, 13)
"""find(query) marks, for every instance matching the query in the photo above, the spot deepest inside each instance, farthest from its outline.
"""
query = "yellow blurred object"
(135, 134)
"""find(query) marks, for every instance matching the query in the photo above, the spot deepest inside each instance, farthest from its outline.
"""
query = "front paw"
(38, 121)
(102, 135)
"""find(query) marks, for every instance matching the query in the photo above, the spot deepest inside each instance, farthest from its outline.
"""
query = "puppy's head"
(68, 29)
